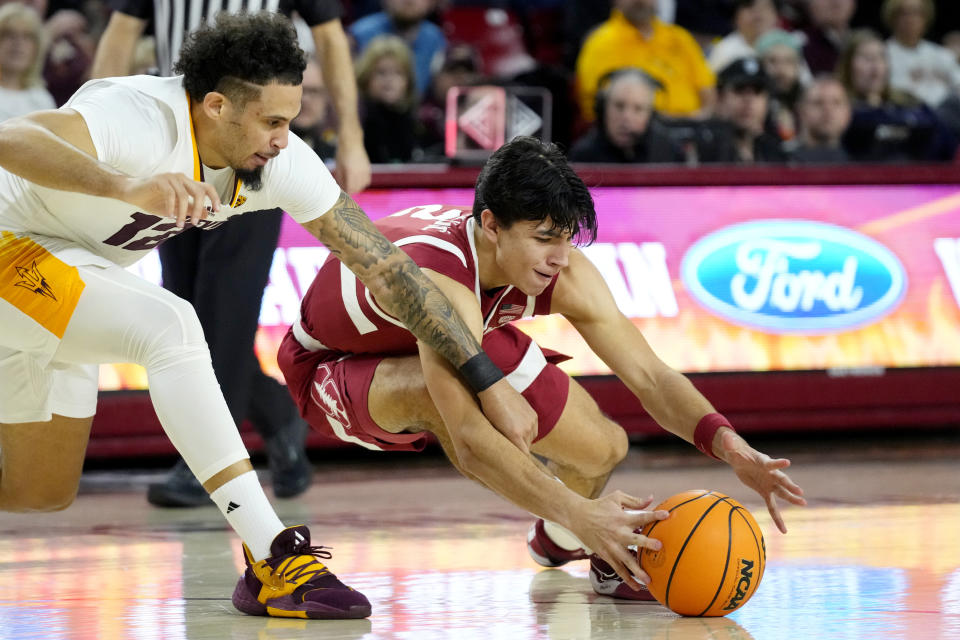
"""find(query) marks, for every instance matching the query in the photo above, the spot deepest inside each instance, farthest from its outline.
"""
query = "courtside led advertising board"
(724, 278)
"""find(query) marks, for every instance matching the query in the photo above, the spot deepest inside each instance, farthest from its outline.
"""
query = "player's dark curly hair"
(527, 179)
(239, 49)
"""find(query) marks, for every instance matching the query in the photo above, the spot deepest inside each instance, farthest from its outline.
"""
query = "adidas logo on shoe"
(231, 506)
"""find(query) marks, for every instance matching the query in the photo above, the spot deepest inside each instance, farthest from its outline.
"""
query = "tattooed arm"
(394, 280)
(403, 291)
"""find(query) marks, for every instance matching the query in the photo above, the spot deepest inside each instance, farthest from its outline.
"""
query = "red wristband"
(706, 430)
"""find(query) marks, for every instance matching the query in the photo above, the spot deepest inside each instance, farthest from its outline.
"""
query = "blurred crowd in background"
(631, 81)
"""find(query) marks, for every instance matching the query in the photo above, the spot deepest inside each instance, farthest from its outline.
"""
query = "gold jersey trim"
(237, 199)
(197, 171)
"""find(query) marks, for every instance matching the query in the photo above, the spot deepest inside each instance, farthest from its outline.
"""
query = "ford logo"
(794, 276)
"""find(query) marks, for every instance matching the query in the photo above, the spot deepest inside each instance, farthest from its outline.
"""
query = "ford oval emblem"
(794, 276)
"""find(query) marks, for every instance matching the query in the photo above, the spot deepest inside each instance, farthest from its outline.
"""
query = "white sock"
(245, 506)
(563, 537)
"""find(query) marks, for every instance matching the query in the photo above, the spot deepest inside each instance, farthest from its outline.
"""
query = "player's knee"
(181, 324)
(607, 453)
(619, 446)
(173, 336)
(55, 503)
(616, 449)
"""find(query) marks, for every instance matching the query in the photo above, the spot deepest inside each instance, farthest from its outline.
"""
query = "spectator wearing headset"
(627, 128)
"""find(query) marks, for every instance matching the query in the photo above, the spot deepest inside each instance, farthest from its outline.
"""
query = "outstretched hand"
(610, 524)
(763, 474)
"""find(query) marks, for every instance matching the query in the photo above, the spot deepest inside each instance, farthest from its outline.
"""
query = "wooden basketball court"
(876, 554)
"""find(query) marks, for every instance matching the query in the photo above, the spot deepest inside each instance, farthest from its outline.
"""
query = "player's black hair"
(527, 179)
(239, 51)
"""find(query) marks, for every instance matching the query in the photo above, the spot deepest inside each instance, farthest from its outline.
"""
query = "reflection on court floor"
(441, 558)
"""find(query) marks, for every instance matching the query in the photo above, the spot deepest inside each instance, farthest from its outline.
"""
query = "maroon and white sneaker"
(548, 553)
(606, 582)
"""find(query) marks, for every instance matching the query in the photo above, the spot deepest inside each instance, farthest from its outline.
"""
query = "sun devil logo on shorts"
(794, 276)
(743, 585)
(33, 280)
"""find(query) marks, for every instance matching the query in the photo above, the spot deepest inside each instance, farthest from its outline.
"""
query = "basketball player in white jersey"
(358, 375)
(88, 189)
(191, 261)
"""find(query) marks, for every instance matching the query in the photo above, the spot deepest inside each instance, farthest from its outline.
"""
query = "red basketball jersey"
(340, 314)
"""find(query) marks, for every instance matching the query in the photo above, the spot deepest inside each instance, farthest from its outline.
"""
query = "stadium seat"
(496, 33)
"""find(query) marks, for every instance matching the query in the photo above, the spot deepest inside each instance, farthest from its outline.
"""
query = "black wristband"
(480, 372)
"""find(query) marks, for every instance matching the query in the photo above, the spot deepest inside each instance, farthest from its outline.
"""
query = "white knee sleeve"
(121, 318)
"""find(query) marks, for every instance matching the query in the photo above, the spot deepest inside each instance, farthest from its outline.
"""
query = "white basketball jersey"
(141, 125)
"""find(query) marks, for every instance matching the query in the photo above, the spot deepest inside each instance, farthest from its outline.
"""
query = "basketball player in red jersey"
(359, 375)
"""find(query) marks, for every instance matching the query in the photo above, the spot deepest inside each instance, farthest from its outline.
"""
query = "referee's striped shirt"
(172, 20)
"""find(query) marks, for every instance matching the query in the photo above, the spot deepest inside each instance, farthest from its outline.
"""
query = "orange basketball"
(713, 555)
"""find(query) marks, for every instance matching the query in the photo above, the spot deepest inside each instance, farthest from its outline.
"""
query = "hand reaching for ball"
(763, 474)
(610, 524)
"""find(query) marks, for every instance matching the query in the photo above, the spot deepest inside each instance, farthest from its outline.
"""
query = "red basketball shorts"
(331, 390)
